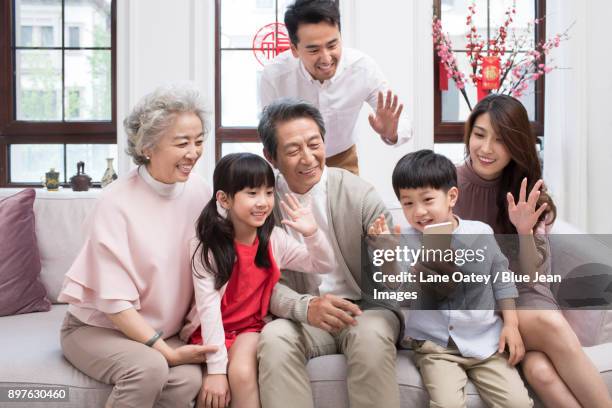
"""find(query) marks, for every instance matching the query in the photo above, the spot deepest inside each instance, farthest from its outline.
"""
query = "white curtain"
(578, 134)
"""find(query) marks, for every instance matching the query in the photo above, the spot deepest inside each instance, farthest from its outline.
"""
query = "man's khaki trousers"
(345, 160)
(286, 346)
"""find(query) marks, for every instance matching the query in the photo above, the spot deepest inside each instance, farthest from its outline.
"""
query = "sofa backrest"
(59, 231)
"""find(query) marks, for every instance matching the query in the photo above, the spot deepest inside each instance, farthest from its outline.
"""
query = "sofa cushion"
(60, 232)
(32, 355)
(21, 290)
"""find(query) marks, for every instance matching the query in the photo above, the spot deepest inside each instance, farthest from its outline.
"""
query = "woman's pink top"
(249, 296)
(136, 253)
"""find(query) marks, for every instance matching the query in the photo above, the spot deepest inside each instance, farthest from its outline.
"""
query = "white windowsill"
(63, 193)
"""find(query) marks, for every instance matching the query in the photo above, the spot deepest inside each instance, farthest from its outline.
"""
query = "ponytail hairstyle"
(510, 121)
(215, 232)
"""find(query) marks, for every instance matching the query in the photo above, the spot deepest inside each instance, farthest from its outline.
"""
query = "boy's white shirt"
(475, 332)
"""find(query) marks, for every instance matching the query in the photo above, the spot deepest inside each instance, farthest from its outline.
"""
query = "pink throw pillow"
(21, 290)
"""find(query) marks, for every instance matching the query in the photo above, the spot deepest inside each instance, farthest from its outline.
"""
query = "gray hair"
(283, 110)
(155, 113)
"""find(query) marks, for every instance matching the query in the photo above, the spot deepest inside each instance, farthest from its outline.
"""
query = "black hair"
(510, 121)
(233, 173)
(422, 169)
(310, 12)
(284, 110)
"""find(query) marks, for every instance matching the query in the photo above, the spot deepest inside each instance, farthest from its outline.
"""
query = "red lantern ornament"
(481, 92)
(443, 77)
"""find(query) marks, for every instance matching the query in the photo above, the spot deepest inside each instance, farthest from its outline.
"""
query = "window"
(450, 109)
(239, 61)
(26, 35)
(60, 85)
(74, 37)
(46, 36)
(74, 104)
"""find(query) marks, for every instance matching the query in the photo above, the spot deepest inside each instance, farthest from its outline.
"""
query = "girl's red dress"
(247, 294)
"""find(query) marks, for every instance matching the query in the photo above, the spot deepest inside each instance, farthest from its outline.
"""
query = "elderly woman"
(130, 286)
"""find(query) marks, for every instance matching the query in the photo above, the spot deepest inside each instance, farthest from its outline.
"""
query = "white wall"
(391, 32)
(578, 137)
(599, 91)
(162, 42)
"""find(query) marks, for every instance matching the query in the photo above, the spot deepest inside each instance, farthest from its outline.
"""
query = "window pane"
(240, 75)
(74, 37)
(93, 17)
(282, 7)
(454, 107)
(454, 14)
(255, 148)
(29, 163)
(242, 19)
(525, 13)
(93, 155)
(454, 151)
(39, 85)
(47, 36)
(89, 73)
(45, 19)
(26, 36)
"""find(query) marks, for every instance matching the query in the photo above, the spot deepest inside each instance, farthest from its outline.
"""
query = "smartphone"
(438, 236)
(441, 228)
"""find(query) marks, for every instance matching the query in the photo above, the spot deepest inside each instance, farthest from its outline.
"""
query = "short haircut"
(422, 169)
(283, 110)
(310, 12)
(155, 113)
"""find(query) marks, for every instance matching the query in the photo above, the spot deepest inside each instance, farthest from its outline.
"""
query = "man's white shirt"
(339, 99)
(335, 281)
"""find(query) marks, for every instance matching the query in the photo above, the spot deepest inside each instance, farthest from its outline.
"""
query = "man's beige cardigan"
(352, 206)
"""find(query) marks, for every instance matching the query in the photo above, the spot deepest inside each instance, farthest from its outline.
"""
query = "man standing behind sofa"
(320, 313)
(334, 80)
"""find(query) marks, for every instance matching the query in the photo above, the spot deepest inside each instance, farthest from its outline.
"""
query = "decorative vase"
(80, 181)
(52, 180)
(109, 175)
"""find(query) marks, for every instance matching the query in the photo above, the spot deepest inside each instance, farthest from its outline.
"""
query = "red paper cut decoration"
(269, 41)
(490, 72)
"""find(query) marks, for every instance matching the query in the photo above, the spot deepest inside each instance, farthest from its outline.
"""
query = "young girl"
(236, 261)
(501, 167)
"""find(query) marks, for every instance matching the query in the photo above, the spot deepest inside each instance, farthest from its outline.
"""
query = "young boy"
(451, 343)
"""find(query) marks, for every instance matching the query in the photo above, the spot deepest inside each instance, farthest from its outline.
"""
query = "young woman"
(236, 263)
(501, 168)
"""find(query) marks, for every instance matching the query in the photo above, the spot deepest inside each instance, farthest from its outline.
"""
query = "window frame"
(13, 131)
(452, 132)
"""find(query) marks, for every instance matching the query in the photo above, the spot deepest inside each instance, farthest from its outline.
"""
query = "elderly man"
(335, 80)
(322, 314)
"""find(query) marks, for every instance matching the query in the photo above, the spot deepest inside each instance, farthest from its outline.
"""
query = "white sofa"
(30, 351)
